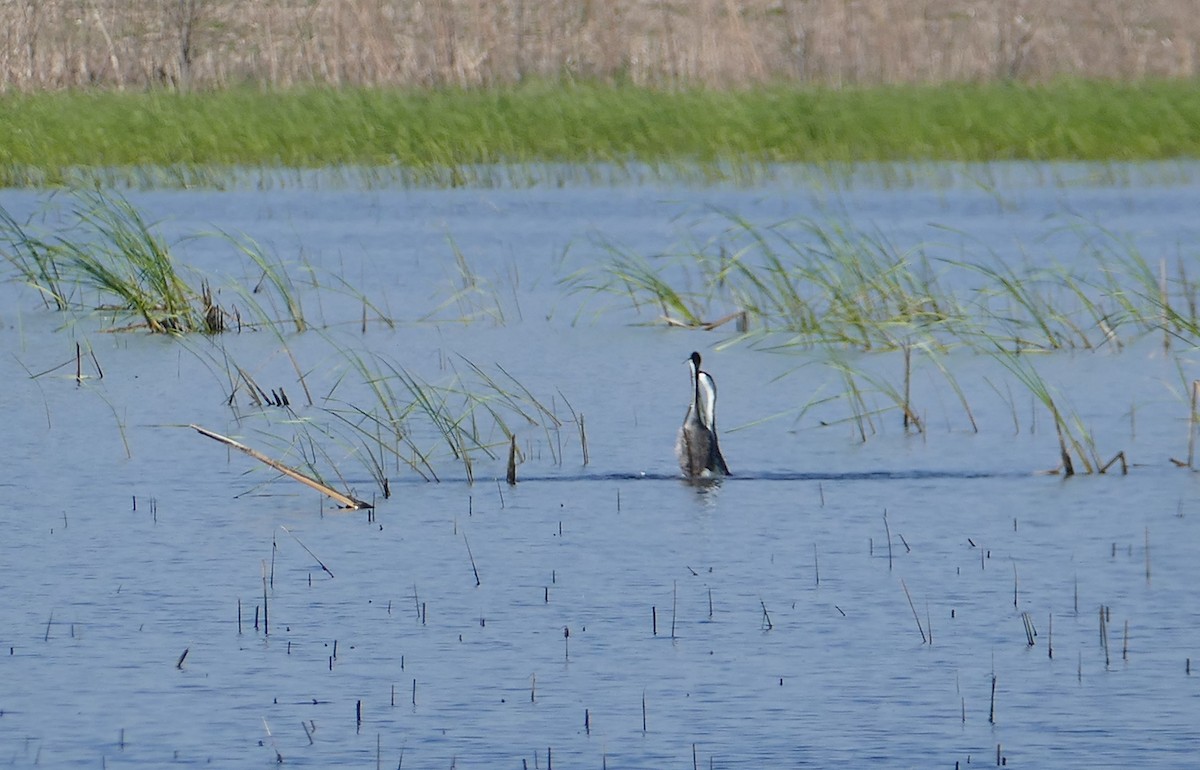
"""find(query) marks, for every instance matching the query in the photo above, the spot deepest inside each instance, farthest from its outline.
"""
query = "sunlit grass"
(452, 137)
(829, 283)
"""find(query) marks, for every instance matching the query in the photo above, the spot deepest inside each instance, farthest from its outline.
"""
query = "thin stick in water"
(888, 529)
(471, 556)
(674, 596)
(1147, 555)
(306, 548)
(916, 617)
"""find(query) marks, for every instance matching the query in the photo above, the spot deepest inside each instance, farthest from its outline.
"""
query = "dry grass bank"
(52, 44)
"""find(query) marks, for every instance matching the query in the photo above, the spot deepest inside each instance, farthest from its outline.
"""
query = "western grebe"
(697, 448)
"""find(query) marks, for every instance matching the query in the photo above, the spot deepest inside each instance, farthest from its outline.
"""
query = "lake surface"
(836, 601)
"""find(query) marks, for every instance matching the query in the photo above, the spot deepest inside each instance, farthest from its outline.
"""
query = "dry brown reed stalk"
(202, 44)
(346, 501)
(1193, 418)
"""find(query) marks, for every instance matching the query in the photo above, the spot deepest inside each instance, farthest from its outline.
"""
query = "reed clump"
(827, 283)
(405, 420)
(100, 255)
(108, 250)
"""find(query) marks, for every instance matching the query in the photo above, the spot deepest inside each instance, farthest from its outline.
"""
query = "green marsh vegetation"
(101, 260)
(792, 286)
(554, 132)
(827, 287)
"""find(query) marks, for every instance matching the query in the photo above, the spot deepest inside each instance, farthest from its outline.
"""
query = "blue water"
(599, 614)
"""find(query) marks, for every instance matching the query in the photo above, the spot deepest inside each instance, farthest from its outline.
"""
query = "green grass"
(441, 136)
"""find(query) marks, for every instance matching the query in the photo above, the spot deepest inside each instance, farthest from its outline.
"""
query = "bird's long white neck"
(706, 400)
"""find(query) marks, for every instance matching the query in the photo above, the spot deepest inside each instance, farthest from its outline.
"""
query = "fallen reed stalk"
(345, 501)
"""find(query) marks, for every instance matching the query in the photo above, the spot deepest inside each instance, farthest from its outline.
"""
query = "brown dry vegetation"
(52, 44)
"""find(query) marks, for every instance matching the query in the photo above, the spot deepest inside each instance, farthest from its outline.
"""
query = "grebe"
(697, 448)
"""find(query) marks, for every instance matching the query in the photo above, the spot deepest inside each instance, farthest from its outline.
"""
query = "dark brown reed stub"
(512, 460)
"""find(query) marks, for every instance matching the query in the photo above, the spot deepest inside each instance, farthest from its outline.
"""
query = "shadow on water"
(909, 475)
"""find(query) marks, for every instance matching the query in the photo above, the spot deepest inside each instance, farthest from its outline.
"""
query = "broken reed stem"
(888, 530)
(1104, 635)
(471, 556)
(767, 624)
(916, 617)
(674, 597)
(1192, 419)
(511, 476)
(1067, 466)
(302, 545)
(992, 708)
(266, 627)
(1164, 299)
(1124, 463)
(583, 439)
(910, 417)
(345, 501)
(1147, 555)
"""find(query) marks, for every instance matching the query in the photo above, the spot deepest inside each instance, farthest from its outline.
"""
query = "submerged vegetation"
(545, 131)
